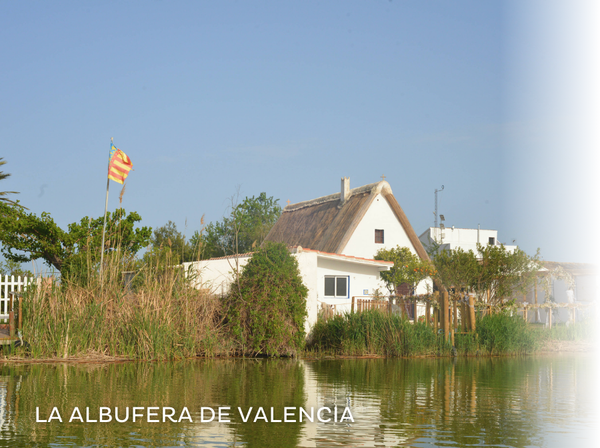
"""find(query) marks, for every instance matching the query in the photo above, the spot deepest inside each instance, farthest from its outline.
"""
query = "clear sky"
(497, 101)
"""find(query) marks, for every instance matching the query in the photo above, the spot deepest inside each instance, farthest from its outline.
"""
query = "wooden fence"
(455, 315)
(8, 285)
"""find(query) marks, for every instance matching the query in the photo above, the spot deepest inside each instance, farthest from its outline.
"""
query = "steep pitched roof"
(325, 225)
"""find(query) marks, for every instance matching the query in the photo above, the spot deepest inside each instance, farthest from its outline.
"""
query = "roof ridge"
(369, 188)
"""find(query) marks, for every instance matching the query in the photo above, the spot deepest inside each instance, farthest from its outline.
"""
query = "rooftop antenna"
(435, 222)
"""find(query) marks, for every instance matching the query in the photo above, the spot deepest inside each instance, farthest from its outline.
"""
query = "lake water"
(544, 401)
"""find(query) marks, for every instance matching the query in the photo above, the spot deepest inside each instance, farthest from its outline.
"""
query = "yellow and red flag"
(119, 165)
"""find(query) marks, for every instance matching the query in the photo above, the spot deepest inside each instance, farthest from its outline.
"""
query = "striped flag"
(119, 165)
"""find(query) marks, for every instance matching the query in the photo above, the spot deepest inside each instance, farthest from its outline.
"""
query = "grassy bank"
(374, 332)
(162, 316)
(159, 317)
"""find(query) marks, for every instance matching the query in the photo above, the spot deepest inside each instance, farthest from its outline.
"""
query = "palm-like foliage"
(3, 194)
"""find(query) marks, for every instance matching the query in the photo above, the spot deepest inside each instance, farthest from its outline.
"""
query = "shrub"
(504, 334)
(375, 332)
(266, 307)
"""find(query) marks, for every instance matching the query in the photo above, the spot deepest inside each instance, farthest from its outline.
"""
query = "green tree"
(27, 237)
(3, 194)
(266, 307)
(502, 272)
(408, 268)
(494, 273)
(169, 238)
(456, 268)
(8, 267)
(242, 231)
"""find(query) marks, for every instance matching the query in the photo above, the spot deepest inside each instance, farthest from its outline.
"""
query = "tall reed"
(159, 315)
(375, 332)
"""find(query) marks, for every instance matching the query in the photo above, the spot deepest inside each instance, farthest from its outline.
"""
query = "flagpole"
(105, 209)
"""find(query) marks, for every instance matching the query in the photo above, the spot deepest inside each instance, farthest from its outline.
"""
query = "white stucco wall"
(379, 216)
(363, 280)
(454, 238)
(217, 275)
(307, 263)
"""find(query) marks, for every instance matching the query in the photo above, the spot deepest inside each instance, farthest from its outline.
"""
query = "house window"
(336, 286)
(378, 236)
(492, 241)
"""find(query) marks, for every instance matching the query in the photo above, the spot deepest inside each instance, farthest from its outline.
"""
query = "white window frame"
(336, 277)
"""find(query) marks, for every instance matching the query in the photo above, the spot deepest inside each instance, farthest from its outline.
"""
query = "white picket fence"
(10, 284)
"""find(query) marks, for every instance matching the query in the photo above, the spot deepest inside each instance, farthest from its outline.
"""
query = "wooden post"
(453, 317)
(549, 318)
(525, 313)
(11, 316)
(445, 316)
(415, 309)
(427, 313)
(537, 310)
(435, 320)
(20, 326)
(472, 312)
(455, 314)
(463, 317)
(352, 307)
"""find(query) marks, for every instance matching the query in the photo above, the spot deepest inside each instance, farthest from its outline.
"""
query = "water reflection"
(424, 402)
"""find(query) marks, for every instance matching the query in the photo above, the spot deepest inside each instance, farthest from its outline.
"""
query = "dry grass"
(159, 316)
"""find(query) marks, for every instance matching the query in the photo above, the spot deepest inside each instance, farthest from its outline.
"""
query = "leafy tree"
(493, 269)
(456, 268)
(267, 307)
(408, 268)
(27, 237)
(170, 239)
(8, 267)
(502, 272)
(242, 231)
(3, 194)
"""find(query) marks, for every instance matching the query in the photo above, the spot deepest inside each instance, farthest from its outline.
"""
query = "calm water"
(540, 401)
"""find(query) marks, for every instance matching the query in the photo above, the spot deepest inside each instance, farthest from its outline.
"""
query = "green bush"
(504, 334)
(266, 307)
(375, 332)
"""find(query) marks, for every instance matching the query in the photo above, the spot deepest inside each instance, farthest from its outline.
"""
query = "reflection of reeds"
(158, 315)
(178, 384)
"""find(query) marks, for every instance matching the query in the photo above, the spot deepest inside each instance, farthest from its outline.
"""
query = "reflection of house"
(330, 278)
(451, 238)
(355, 222)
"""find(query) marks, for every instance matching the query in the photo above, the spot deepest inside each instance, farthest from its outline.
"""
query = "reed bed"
(503, 334)
(159, 315)
(375, 332)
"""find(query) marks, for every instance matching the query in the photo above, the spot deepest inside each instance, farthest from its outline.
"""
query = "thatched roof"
(326, 225)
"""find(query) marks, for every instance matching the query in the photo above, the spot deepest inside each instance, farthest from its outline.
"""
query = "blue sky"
(493, 100)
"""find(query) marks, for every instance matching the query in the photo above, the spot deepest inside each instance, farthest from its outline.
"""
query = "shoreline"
(548, 347)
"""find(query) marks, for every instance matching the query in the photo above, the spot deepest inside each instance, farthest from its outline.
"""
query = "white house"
(331, 279)
(355, 222)
(334, 238)
(451, 238)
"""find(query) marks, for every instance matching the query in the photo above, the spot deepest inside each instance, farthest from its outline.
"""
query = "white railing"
(10, 284)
